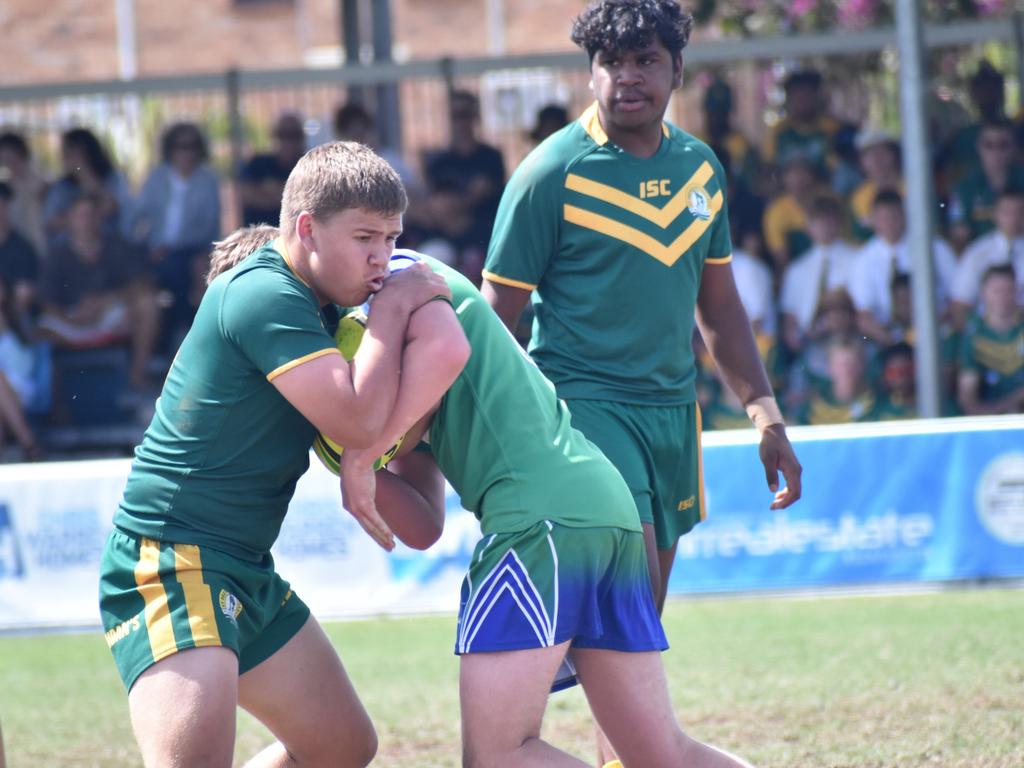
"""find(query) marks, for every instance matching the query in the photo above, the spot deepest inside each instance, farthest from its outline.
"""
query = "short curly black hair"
(630, 25)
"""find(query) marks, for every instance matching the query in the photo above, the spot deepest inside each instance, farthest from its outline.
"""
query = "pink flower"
(800, 8)
(990, 7)
(857, 14)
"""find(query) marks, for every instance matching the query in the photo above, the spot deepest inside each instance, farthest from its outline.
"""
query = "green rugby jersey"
(504, 440)
(997, 356)
(219, 461)
(613, 247)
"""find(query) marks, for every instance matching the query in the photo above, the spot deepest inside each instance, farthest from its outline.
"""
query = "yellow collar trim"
(591, 122)
(282, 248)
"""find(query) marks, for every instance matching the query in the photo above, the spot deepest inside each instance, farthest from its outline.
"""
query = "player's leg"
(305, 698)
(174, 650)
(183, 709)
(502, 697)
(629, 697)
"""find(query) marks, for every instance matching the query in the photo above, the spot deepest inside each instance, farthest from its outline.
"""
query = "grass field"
(931, 680)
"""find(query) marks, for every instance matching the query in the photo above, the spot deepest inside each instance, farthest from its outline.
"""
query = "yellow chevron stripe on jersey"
(158, 616)
(1003, 357)
(660, 216)
(666, 254)
(188, 567)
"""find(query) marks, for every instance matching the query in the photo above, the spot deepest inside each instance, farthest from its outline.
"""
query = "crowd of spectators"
(817, 216)
(824, 267)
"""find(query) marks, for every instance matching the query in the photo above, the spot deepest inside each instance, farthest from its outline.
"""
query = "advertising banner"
(890, 503)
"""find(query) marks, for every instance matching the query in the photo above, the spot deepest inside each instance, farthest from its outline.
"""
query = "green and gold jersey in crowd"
(219, 462)
(504, 440)
(823, 408)
(997, 356)
(614, 246)
(974, 200)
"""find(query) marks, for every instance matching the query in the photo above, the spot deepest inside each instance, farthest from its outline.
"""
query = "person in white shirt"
(885, 256)
(828, 265)
(754, 285)
(1004, 245)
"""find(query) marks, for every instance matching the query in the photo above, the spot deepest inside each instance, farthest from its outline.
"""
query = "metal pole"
(918, 203)
(389, 116)
(351, 40)
(236, 130)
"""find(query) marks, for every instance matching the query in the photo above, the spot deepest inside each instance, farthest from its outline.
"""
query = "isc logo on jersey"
(348, 335)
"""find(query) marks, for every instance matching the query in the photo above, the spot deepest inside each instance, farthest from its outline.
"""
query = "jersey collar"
(591, 122)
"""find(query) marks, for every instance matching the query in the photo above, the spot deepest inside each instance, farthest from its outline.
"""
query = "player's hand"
(358, 495)
(777, 455)
(414, 286)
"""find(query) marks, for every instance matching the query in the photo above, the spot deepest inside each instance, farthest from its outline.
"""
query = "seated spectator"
(836, 319)
(827, 266)
(881, 259)
(87, 170)
(469, 167)
(550, 119)
(19, 263)
(18, 378)
(879, 156)
(730, 145)
(785, 218)
(971, 207)
(454, 235)
(897, 383)
(28, 188)
(846, 174)
(806, 131)
(353, 122)
(987, 92)
(95, 292)
(176, 219)
(1003, 245)
(261, 180)
(847, 396)
(991, 378)
(754, 285)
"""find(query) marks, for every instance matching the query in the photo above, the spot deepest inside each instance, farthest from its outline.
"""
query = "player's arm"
(351, 402)
(507, 301)
(726, 330)
(436, 351)
(410, 497)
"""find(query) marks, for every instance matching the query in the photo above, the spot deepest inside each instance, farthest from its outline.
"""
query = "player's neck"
(642, 141)
(297, 258)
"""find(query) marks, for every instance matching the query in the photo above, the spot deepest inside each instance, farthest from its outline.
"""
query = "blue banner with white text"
(937, 505)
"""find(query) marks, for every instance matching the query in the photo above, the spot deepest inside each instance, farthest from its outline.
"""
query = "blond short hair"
(338, 176)
(237, 246)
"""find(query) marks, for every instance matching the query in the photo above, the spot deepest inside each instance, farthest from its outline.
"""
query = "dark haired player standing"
(617, 224)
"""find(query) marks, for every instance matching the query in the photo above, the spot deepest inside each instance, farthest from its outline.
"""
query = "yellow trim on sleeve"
(300, 360)
(154, 596)
(720, 260)
(188, 567)
(487, 275)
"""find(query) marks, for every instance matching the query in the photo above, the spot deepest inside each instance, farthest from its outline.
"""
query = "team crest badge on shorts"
(698, 202)
(230, 606)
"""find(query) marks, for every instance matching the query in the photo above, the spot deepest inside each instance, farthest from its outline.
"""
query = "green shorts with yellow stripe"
(657, 451)
(158, 598)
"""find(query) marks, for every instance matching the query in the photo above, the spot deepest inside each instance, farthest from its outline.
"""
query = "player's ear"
(304, 230)
(677, 71)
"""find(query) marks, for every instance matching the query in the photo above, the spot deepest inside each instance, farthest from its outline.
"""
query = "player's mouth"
(631, 102)
(376, 283)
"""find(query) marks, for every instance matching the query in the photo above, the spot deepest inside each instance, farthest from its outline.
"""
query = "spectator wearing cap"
(987, 92)
(971, 207)
(805, 130)
(881, 259)
(19, 262)
(991, 378)
(176, 218)
(720, 134)
(261, 180)
(1003, 245)
(879, 155)
(28, 188)
(825, 267)
(550, 118)
(785, 218)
